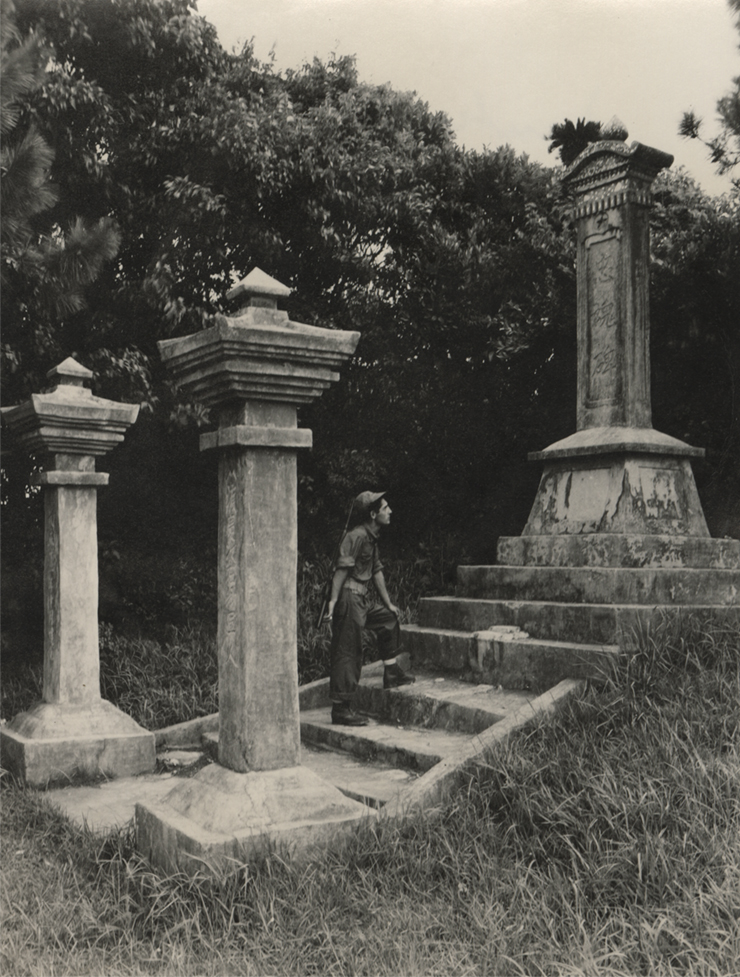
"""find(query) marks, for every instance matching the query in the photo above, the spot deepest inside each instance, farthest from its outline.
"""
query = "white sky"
(505, 70)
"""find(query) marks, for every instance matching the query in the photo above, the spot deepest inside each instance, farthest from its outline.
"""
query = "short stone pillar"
(254, 370)
(616, 474)
(72, 733)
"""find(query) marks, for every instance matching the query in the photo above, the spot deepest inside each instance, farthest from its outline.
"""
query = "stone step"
(437, 701)
(412, 748)
(619, 550)
(601, 585)
(510, 661)
(579, 623)
(373, 784)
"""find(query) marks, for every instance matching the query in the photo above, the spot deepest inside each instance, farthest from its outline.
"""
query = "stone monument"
(72, 733)
(254, 370)
(616, 474)
(616, 543)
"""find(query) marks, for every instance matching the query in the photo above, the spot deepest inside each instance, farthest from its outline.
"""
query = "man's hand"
(330, 610)
(394, 610)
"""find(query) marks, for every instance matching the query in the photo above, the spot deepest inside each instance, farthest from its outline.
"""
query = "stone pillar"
(253, 370)
(72, 733)
(616, 474)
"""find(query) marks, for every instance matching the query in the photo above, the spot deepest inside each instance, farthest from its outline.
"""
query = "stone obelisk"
(616, 474)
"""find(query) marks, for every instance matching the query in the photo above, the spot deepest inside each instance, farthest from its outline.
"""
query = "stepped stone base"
(56, 743)
(606, 624)
(602, 585)
(221, 818)
(620, 550)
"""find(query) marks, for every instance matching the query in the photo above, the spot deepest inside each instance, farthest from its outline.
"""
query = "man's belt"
(356, 585)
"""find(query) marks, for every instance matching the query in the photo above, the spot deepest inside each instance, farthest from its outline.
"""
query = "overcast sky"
(505, 70)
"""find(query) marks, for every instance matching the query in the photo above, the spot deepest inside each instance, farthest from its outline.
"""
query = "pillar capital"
(69, 420)
(609, 174)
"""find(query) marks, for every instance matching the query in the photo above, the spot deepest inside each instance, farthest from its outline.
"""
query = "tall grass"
(169, 673)
(605, 842)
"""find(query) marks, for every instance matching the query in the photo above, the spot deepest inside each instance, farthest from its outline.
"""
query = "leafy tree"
(47, 261)
(724, 148)
(695, 311)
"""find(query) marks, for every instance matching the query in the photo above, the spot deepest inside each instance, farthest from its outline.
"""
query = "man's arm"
(379, 581)
(340, 575)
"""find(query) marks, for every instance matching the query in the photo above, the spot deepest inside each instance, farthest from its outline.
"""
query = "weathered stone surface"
(611, 183)
(69, 420)
(220, 818)
(438, 783)
(601, 585)
(71, 656)
(258, 553)
(607, 624)
(259, 356)
(411, 747)
(513, 661)
(255, 368)
(619, 550)
(650, 494)
(54, 743)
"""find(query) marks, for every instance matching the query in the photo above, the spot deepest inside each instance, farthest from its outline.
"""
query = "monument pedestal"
(617, 480)
(221, 818)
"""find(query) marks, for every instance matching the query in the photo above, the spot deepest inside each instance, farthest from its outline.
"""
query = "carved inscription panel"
(602, 257)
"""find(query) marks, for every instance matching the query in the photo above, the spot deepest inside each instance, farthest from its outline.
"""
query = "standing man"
(351, 610)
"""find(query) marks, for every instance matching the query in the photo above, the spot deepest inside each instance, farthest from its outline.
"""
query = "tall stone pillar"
(253, 370)
(616, 474)
(72, 733)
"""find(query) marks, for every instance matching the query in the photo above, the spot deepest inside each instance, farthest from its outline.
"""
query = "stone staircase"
(411, 730)
(515, 641)
(561, 607)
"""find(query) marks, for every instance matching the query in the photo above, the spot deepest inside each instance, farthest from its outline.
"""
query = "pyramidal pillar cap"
(70, 373)
(259, 290)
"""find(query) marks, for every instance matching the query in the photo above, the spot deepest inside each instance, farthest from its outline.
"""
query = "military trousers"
(353, 613)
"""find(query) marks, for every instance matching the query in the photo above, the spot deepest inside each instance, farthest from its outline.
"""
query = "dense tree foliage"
(455, 266)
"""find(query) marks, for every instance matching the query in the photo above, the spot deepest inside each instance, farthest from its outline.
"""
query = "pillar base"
(55, 743)
(220, 818)
(644, 493)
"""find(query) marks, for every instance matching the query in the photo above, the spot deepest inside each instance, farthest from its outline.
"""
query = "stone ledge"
(71, 478)
(431, 788)
(245, 436)
(616, 440)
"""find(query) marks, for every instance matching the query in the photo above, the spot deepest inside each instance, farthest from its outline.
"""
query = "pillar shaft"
(258, 553)
(613, 318)
(71, 660)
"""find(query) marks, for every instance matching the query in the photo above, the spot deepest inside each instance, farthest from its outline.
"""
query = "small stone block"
(219, 819)
(56, 743)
